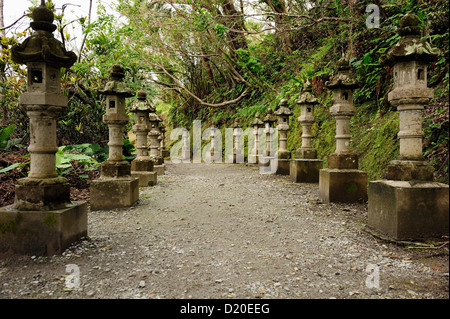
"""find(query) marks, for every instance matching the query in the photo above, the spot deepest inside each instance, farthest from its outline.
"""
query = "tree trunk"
(2, 68)
(237, 39)
(279, 6)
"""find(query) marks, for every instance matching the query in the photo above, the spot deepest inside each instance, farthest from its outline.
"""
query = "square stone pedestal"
(143, 170)
(165, 153)
(110, 193)
(145, 178)
(253, 159)
(284, 166)
(305, 170)
(41, 233)
(403, 210)
(342, 185)
(160, 169)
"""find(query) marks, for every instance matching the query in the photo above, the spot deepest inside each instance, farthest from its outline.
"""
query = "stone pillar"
(43, 220)
(257, 125)
(408, 204)
(342, 181)
(305, 167)
(266, 154)
(164, 152)
(284, 156)
(142, 165)
(116, 187)
(158, 161)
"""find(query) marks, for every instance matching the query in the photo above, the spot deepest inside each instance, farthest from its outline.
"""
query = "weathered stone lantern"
(142, 165)
(266, 153)
(164, 151)
(116, 187)
(342, 181)
(43, 220)
(257, 125)
(283, 114)
(408, 205)
(305, 167)
(158, 166)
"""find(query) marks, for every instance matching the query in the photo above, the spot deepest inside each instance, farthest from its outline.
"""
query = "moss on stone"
(11, 225)
(50, 220)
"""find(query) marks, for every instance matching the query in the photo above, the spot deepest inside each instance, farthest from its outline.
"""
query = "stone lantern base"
(342, 181)
(342, 185)
(284, 163)
(165, 153)
(160, 169)
(305, 170)
(116, 188)
(110, 193)
(158, 165)
(406, 210)
(41, 232)
(407, 170)
(42, 221)
(143, 170)
(253, 159)
(305, 167)
(284, 166)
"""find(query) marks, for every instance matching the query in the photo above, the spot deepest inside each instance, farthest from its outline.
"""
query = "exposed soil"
(226, 231)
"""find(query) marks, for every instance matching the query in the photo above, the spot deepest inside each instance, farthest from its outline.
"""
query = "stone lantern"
(257, 125)
(158, 166)
(116, 187)
(142, 165)
(164, 151)
(266, 154)
(408, 204)
(43, 220)
(283, 113)
(342, 181)
(305, 167)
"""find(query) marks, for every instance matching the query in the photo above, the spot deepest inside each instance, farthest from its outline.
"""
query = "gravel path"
(225, 231)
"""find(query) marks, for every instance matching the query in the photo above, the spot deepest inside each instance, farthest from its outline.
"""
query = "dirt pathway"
(226, 231)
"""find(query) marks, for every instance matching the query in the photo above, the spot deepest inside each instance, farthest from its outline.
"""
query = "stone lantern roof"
(344, 79)
(307, 97)
(154, 118)
(410, 46)
(141, 104)
(41, 46)
(283, 109)
(270, 118)
(257, 120)
(116, 86)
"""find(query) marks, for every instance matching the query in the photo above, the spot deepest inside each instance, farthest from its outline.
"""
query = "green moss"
(11, 225)
(50, 220)
(351, 187)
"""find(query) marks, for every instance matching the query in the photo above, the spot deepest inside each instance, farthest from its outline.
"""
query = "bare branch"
(195, 97)
(23, 16)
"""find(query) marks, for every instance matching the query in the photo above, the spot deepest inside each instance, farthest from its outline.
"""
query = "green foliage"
(5, 133)
(67, 157)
